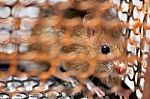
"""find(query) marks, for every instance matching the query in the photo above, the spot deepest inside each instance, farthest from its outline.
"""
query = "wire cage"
(19, 17)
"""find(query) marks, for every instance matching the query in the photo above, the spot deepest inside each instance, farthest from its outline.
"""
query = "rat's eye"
(105, 49)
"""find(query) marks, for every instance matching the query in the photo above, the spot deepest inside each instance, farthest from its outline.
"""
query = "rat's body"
(103, 44)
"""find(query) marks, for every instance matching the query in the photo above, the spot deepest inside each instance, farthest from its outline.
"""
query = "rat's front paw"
(94, 89)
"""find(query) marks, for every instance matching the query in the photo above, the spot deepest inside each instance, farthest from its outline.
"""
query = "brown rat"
(101, 41)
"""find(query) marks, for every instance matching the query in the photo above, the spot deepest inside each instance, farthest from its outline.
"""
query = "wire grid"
(133, 14)
(136, 36)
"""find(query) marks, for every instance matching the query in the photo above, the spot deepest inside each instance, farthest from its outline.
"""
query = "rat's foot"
(95, 89)
(122, 93)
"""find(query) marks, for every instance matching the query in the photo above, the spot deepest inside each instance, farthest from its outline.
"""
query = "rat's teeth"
(21, 12)
(4, 36)
(7, 23)
(8, 2)
(5, 12)
(27, 24)
(27, 2)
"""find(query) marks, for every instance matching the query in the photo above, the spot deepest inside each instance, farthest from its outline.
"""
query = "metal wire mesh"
(137, 33)
(21, 16)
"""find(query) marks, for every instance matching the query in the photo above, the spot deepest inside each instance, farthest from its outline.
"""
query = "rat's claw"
(95, 89)
(120, 95)
(98, 91)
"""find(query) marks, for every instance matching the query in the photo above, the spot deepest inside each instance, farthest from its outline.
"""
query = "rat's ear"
(91, 23)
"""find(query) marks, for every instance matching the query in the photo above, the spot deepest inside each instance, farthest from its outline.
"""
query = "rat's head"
(109, 45)
(111, 60)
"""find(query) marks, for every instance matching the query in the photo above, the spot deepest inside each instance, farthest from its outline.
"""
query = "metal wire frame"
(13, 58)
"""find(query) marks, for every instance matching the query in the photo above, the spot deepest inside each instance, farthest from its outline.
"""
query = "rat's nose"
(120, 67)
(120, 70)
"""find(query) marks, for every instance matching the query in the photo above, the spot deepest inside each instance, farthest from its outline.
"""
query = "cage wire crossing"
(18, 18)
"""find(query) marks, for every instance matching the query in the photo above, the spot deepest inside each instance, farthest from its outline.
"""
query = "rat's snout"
(120, 67)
